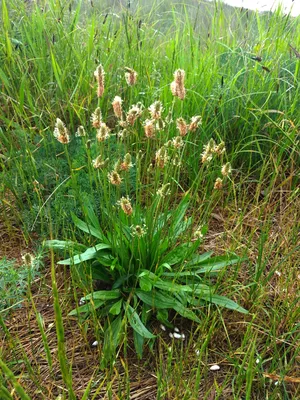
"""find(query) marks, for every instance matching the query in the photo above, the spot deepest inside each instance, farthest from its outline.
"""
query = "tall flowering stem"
(99, 75)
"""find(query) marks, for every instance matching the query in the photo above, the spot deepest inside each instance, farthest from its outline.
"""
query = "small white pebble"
(171, 335)
(278, 273)
(197, 352)
(276, 383)
(81, 302)
(257, 361)
(95, 343)
(214, 367)
(182, 336)
(176, 330)
(177, 335)
(162, 327)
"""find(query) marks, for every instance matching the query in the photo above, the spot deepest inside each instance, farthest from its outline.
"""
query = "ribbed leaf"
(103, 295)
(156, 299)
(136, 323)
(224, 302)
(87, 307)
(89, 254)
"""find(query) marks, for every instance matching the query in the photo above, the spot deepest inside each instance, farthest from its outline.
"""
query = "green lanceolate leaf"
(103, 295)
(116, 308)
(156, 299)
(224, 302)
(138, 343)
(87, 307)
(176, 255)
(145, 283)
(112, 338)
(136, 323)
(186, 313)
(64, 245)
(87, 228)
(199, 258)
(89, 254)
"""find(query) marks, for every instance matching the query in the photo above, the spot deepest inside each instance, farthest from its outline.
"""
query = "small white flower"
(171, 335)
(214, 367)
(162, 327)
(81, 301)
(95, 343)
(176, 330)
(278, 273)
(197, 351)
(257, 361)
(276, 383)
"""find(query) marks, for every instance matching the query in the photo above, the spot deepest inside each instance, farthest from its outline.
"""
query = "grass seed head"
(177, 86)
(164, 190)
(99, 163)
(149, 128)
(133, 114)
(138, 230)
(161, 157)
(126, 164)
(156, 110)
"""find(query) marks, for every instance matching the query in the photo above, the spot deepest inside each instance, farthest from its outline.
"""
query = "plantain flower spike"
(226, 169)
(182, 126)
(177, 86)
(126, 206)
(61, 132)
(99, 75)
(114, 178)
(96, 118)
(218, 184)
(117, 106)
(130, 76)
(103, 132)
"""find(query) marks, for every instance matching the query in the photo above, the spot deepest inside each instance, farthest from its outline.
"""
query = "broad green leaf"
(162, 315)
(156, 299)
(103, 295)
(145, 283)
(89, 254)
(136, 323)
(174, 287)
(116, 307)
(87, 307)
(224, 302)
(178, 254)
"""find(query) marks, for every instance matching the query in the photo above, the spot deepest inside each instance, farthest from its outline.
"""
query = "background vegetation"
(242, 77)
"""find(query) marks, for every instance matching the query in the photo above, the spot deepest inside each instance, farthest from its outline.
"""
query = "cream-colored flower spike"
(61, 133)
(99, 75)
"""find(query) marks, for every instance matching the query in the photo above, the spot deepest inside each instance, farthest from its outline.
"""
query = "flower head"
(80, 131)
(218, 184)
(117, 106)
(195, 122)
(209, 149)
(125, 204)
(103, 132)
(114, 178)
(131, 76)
(149, 128)
(164, 190)
(177, 86)
(96, 118)
(99, 163)
(126, 164)
(99, 75)
(226, 169)
(61, 132)
(28, 259)
(220, 148)
(182, 126)
(161, 157)
(177, 142)
(156, 109)
(138, 230)
(133, 114)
